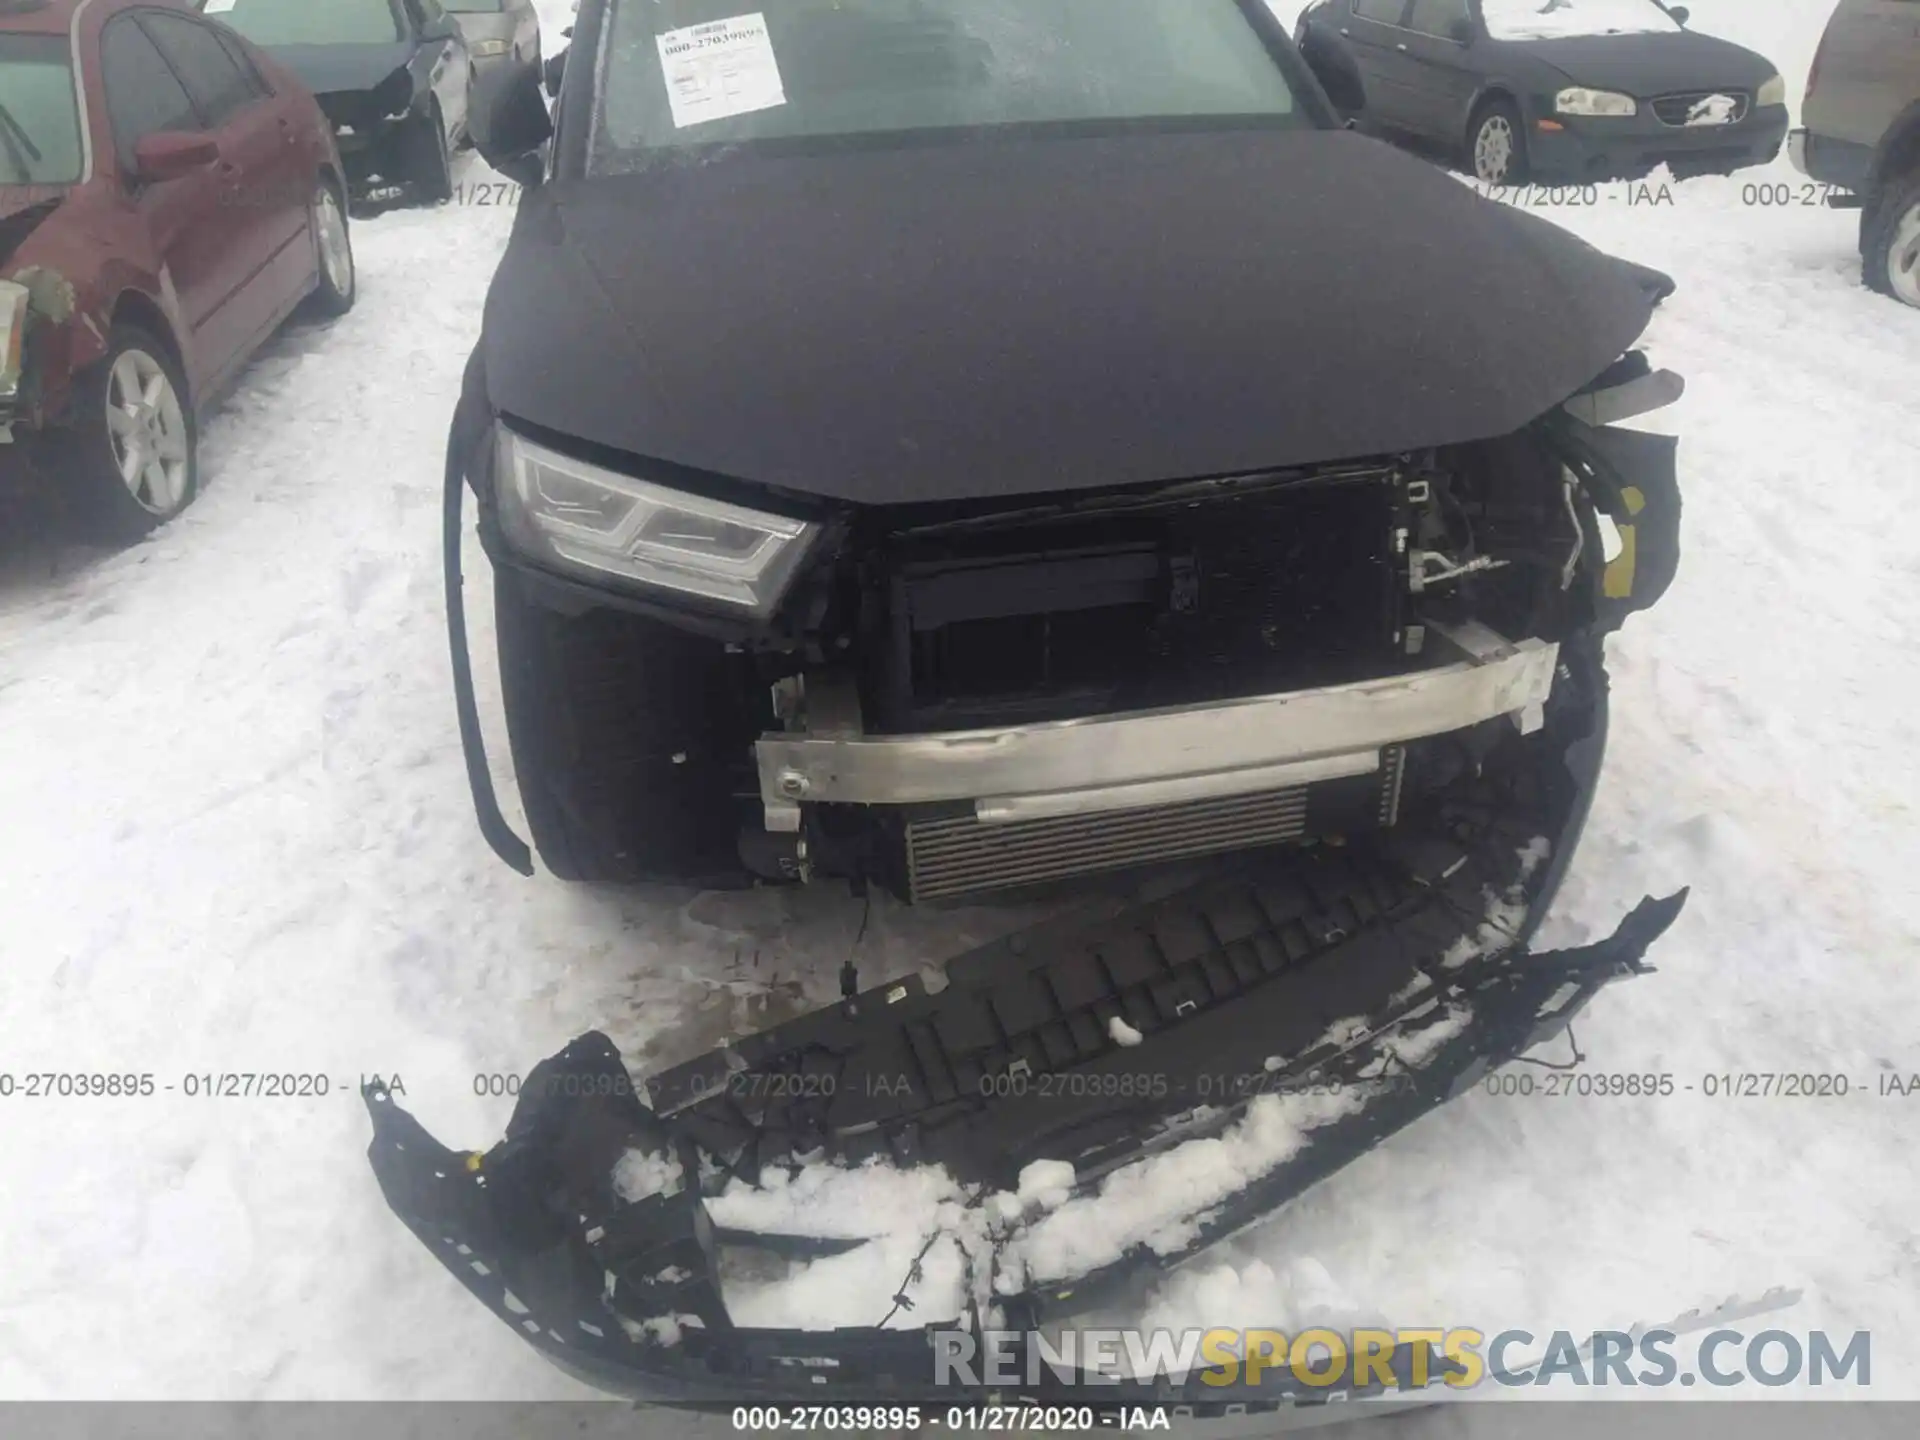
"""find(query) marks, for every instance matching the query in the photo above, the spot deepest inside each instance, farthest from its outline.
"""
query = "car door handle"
(1401, 48)
(1346, 32)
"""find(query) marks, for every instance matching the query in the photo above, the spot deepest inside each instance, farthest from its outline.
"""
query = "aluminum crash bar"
(1165, 756)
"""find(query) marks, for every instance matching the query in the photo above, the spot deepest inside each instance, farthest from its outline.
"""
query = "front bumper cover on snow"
(627, 1297)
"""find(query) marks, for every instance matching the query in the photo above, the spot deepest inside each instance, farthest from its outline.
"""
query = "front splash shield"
(1391, 981)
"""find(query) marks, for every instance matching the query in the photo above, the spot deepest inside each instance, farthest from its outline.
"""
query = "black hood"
(1007, 318)
(333, 69)
(1650, 65)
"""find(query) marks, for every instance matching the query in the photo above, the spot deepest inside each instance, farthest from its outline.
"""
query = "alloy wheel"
(148, 432)
(336, 252)
(1493, 150)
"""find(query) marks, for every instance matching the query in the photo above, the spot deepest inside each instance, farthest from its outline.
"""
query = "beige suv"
(1862, 132)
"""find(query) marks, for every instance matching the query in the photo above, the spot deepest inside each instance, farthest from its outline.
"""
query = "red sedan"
(168, 196)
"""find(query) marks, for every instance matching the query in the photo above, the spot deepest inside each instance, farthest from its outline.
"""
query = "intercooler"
(952, 856)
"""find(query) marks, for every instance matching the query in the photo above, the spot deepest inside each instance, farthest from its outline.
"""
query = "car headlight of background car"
(13, 336)
(575, 516)
(487, 49)
(1774, 92)
(1578, 100)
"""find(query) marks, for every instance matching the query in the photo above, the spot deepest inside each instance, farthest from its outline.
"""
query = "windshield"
(310, 22)
(1559, 19)
(693, 72)
(39, 124)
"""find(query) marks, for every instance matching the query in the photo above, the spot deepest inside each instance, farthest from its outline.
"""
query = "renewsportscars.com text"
(1460, 1357)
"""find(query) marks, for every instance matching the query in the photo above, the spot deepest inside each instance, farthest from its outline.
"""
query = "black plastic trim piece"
(533, 1230)
(473, 746)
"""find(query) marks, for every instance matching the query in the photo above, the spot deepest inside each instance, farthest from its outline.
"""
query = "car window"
(200, 58)
(1560, 19)
(39, 121)
(1387, 12)
(1437, 17)
(311, 22)
(238, 50)
(689, 72)
(144, 96)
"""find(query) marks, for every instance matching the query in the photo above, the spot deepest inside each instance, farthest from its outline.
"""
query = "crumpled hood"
(331, 69)
(1652, 65)
(1022, 316)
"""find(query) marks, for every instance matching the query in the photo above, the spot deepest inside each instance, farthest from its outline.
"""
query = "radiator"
(950, 857)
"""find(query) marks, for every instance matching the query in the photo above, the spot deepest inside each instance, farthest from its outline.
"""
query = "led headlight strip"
(575, 516)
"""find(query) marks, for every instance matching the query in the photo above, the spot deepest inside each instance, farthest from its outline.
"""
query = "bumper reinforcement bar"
(1160, 757)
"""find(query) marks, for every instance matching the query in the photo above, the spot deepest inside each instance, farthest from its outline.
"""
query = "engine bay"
(1271, 595)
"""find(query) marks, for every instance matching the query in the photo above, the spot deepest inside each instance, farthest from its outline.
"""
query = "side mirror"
(1680, 13)
(443, 27)
(169, 154)
(510, 121)
(556, 72)
(1461, 31)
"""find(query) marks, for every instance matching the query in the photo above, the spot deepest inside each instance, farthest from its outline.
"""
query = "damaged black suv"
(969, 448)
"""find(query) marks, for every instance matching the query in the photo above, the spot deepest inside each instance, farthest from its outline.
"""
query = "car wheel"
(1497, 145)
(430, 165)
(334, 294)
(611, 721)
(1892, 241)
(133, 454)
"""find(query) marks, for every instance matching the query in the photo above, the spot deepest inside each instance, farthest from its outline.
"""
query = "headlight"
(1580, 101)
(1774, 92)
(579, 517)
(13, 335)
(482, 49)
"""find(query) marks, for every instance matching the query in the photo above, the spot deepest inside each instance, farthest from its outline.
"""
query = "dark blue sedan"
(1563, 91)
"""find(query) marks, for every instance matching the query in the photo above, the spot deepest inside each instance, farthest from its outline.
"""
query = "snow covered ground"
(234, 836)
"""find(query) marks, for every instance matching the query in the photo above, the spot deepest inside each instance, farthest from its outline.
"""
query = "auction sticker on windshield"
(725, 67)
